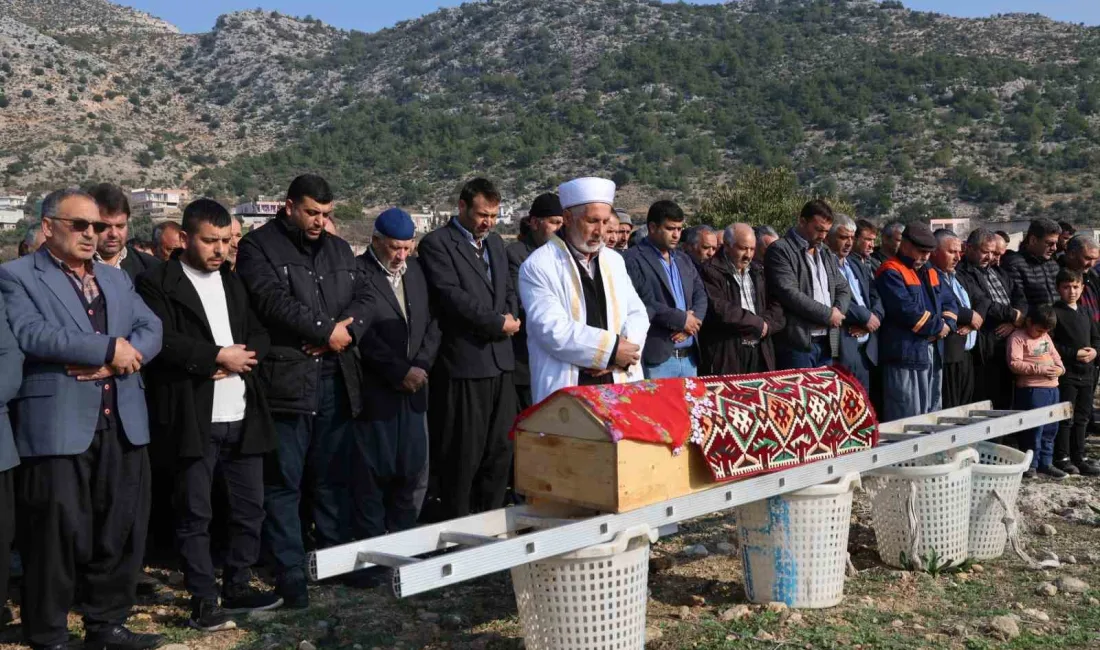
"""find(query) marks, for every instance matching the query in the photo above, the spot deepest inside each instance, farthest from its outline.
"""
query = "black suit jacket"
(990, 348)
(178, 383)
(394, 344)
(137, 263)
(645, 267)
(470, 309)
(518, 252)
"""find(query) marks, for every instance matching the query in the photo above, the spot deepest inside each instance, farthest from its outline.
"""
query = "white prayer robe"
(559, 341)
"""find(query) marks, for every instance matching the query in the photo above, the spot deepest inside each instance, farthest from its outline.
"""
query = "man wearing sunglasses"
(81, 428)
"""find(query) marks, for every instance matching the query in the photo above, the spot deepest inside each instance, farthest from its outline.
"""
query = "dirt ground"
(694, 601)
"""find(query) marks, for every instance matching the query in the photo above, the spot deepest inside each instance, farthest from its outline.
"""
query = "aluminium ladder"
(508, 537)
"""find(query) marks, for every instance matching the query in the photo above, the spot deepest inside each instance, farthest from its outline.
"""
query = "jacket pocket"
(41, 386)
(288, 375)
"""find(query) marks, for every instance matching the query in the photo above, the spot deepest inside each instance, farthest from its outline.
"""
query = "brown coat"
(727, 323)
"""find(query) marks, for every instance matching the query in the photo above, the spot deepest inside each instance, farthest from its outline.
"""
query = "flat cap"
(546, 205)
(920, 235)
(395, 223)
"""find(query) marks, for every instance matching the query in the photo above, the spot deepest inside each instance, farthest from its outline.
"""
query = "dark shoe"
(147, 585)
(1088, 469)
(1052, 472)
(118, 637)
(6, 616)
(208, 617)
(1030, 473)
(1068, 467)
(244, 599)
(1088, 461)
(294, 594)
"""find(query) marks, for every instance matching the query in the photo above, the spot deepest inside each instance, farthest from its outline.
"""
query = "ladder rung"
(535, 521)
(993, 414)
(929, 427)
(958, 420)
(386, 559)
(466, 539)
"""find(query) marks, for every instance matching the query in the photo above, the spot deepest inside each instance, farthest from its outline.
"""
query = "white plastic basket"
(921, 510)
(993, 491)
(795, 547)
(592, 599)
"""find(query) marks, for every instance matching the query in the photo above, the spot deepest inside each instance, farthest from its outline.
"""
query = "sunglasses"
(81, 225)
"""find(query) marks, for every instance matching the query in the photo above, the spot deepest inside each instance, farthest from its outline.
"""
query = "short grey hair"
(1081, 243)
(944, 235)
(731, 232)
(892, 229)
(760, 231)
(695, 233)
(842, 222)
(52, 203)
(980, 236)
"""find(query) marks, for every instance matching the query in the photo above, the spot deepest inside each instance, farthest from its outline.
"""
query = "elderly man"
(390, 449)
(166, 240)
(586, 324)
(83, 489)
(1034, 268)
(765, 237)
(859, 331)
(956, 364)
(669, 286)
(1002, 248)
(544, 219)
(740, 325)
(611, 232)
(891, 240)
(916, 318)
(864, 246)
(803, 277)
(113, 248)
(11, 359)
(700, 243)
(1005, 312)
(626, 228)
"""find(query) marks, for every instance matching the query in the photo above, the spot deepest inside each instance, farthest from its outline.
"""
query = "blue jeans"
(791, 359)
(310, 449)
(1039, 440)
(673, 368)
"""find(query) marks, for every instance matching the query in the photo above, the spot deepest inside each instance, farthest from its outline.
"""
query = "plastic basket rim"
(960, 458)
(999, 469)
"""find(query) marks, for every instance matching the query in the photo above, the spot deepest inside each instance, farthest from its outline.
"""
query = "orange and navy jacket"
(917, 307)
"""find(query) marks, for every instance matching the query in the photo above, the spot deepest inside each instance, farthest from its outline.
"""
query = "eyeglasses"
(81, 225)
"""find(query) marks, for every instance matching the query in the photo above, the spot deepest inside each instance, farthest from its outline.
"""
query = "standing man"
(915, 320)
(1002, 248)
(235, 242)
(956, 363)
(166, 239)
(740, 325)
(473, 395)
(803, 277)
(81, 427)
(675, 300)
(544, 220)
(864, 247)
(12, 360)
(113, 248)
(701, 244)
(208, 405)
(587, 324)
(859, 331)
(308, 293)
(31, 241)
(1067, 233)
(1034, 269)
(390, 453)
(611, 232)
(765, 237)
(891, 240)
(626, 228)
(1082, 255)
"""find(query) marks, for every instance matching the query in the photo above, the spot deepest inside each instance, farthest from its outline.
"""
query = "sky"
(372, 15)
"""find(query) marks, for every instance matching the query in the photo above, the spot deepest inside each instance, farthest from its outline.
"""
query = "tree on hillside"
(761, 197)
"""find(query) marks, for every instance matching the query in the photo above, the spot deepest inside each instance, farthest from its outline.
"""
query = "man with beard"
(587, 324)
(737, 333)
(956, 363)
(1033, 269)
(542, 222)
(859, 331)
(626, 228)
(207, 405)
(915, 320)
(113, 248)
(611, 232)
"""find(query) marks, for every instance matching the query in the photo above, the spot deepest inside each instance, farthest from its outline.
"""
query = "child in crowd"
(1077, 339)
(1034, 360)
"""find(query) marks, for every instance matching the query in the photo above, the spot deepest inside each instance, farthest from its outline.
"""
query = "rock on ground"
(1004, 627)
(736, 613)
(1071, 585)
(1037, 615)
(1046, 589)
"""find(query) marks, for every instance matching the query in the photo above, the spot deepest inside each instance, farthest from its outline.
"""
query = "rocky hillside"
(908, 113)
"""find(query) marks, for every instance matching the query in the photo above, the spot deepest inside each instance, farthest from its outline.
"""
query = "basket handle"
(914, 524)
(624, 537)
(1011, 529)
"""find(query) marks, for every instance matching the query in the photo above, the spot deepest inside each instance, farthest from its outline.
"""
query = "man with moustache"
(956, 363)
(81, 428)
(859, 331)
(237, 233)
(113, 248)
(207, 404)
(864, 246)
(587, 324)
(700, 243)
(166, 239)
(626, 228)
(611, 232)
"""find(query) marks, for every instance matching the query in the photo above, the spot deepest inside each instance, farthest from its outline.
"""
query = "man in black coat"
(113, 248)
(207, 405)
(1034, 268)
(308, 292)
(958, 358)
(541, 223)
(473, 396)
(390, 457)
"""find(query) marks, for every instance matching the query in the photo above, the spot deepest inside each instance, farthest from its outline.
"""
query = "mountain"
(911, 114)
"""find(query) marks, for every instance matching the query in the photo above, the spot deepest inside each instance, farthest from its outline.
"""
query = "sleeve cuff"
(614, 352)
(111, 350)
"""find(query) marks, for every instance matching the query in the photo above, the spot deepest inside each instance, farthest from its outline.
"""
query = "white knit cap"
(586, 190)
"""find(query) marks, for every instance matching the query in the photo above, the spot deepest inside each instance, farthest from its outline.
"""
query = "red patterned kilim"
(751, 424)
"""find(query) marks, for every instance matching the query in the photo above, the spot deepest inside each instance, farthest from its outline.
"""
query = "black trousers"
(469, 421)
(993, 380)
(7, 530)
(389, 464)
(958, 382)
(1070, 443)
(749, 359)
(242, 477)
(81, 525)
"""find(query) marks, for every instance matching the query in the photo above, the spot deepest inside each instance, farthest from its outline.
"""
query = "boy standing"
(1037, 365)
(1076, 338)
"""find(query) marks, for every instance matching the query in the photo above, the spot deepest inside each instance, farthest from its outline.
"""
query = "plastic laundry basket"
(921, 510)
(795, 547)
(592, 599)
(993, 491)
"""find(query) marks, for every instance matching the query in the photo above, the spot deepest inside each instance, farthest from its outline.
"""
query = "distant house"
(10, 218)
(13, 202)
(157, 204)
(258, 212)
(960, 227)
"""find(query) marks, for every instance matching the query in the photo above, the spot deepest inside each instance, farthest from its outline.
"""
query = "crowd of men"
(292, 395)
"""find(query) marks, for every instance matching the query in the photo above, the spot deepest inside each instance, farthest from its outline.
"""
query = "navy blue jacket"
(644, 265)
(11, 360)
(857, 316)
(917, 307)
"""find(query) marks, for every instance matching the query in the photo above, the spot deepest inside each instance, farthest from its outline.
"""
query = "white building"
(13, 201)
(960, 226)
(425, 219)
(9, 218)
(157, 204)
(258, 212)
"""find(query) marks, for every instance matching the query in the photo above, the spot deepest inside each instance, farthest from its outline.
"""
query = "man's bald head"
(740, 245)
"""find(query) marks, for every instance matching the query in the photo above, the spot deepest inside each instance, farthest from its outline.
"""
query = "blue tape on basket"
(784, 589)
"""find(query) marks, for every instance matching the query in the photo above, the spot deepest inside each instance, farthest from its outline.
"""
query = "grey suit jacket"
(857, 316)
(54, 414)
(11, 360)
(790, 283)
